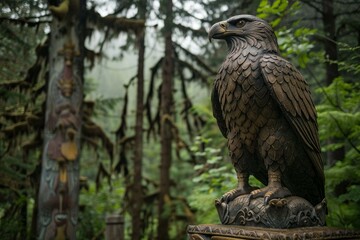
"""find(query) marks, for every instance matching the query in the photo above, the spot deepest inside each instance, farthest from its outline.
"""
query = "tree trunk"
(59, 185)
(332, 69)
(23, 218)
(330, 45)
(137, 194)
(166, 135)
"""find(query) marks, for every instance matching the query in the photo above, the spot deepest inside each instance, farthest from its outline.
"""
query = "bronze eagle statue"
(263, 107)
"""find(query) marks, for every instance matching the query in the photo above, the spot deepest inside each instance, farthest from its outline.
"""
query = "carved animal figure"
(263, 107)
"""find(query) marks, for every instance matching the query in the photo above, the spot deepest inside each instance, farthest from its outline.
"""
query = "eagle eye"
(240, 23)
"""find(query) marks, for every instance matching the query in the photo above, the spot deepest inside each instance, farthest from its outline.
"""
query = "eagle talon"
(271, 193)
(229, 196)
(266, 200)
(232, 194)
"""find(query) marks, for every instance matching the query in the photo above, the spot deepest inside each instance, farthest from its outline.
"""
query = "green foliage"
(294, 39)
(343, 193)
(95, 205)
(214, 176)
(20, 104)
(9, 227)
(277, 11)
(339, 111)
(295, 44)
(339, 117)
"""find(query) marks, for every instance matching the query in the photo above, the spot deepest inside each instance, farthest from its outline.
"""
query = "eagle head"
(248, 28)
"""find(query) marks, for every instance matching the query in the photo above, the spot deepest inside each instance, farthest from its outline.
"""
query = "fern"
(339, 116)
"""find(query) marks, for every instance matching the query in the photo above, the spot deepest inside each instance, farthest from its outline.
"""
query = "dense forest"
(136, 134)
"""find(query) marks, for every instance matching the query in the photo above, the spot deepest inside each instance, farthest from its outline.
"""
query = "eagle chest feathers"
(245, 99)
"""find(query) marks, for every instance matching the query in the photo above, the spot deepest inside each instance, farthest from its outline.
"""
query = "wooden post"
(114, 227)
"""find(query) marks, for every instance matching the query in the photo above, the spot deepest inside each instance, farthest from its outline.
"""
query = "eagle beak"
(217, 30)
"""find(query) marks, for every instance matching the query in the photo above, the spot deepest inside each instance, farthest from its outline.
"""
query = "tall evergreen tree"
(166, 129)
(138, 149)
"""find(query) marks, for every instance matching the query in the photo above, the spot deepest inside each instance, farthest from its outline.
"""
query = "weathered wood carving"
(59, 186)
(263, 107)
(66, 83)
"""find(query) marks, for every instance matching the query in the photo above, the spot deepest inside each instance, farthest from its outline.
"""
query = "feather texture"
(263, 106)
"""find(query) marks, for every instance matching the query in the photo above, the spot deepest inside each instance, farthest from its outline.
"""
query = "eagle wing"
(291, 92)
(217, 112)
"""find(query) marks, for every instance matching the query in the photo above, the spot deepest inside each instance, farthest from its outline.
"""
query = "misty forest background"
(173, 176)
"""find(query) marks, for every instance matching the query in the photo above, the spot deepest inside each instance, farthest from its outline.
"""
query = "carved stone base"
(289, 212)
(227, 232)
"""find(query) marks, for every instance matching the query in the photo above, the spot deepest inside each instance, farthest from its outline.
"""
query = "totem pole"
(59, 186)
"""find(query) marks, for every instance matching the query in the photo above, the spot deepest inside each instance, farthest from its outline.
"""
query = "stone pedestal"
(229, 232)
